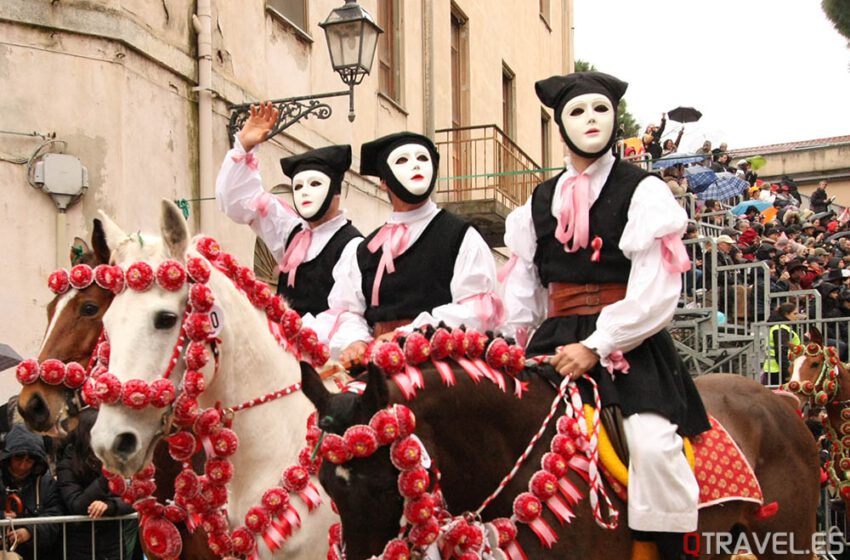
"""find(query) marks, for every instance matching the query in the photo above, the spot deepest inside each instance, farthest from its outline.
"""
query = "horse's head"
(817, 372)
(365, 490)
(143, 328)
(74, 322)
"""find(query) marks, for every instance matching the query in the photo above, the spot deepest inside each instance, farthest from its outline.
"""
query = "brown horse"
(474, 433)
(74, 324)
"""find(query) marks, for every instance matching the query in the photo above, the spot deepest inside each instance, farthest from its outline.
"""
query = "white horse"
(143, 328)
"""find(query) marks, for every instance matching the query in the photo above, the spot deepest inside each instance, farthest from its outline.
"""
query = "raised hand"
(259, 124)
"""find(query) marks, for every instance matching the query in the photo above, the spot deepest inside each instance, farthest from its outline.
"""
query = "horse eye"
(89, 309)
(164, 320)
(816, 365)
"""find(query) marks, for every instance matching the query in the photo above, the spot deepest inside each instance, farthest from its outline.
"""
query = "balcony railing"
(485, 175)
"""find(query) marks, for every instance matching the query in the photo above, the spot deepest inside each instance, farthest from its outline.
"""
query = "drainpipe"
(568, 31)
(202, 23)
(428, 68)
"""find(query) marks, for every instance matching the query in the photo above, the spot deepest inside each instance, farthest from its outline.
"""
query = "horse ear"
(816, 336)
(376, 395)
(174, 229)
(78, 248)
(98, 241)
(113, 235)
(313, 387)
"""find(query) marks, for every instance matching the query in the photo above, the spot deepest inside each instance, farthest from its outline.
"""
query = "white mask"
(412, 166)
(589, 121)
(309, 191)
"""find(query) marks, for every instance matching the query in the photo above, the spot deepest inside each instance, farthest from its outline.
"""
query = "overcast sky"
(761, 71)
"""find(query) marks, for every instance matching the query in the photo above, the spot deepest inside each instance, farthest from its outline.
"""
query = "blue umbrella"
(740, 208)
(676, 159)
(700, 178)
(727, 186)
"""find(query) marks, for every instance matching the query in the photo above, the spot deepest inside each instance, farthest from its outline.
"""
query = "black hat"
(794, 264)
(556, 91)
(373, 161)
(750, 210)
(333, 161)
(786, 180)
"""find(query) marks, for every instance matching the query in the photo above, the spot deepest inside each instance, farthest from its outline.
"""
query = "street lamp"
(352, 37)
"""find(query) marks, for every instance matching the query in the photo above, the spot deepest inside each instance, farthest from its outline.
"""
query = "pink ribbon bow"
(574, 217)
(488, 308)
(295, 254)
(674, 255)
(392, 239)
(617, 362)
(249, 159)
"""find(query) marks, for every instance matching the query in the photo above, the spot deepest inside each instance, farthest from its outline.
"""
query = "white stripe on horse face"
(64, 299)
(798, 365)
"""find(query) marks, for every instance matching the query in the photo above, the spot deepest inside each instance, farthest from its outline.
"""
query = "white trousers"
(663, 492)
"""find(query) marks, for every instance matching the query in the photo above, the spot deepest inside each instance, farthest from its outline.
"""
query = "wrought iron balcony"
(485, 175)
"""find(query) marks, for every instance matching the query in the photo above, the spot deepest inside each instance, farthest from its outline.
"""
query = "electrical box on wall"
(63, 177)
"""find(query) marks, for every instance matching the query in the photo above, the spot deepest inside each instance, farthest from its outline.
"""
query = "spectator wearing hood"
(31, 492)
(819, 201)
(85, 491)
(792, 191)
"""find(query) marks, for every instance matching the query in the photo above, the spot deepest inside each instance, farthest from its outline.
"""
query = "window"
(545, 142)
(389, 49)
(508, 102)
(294, 11)
(544, 11)
(460, 68)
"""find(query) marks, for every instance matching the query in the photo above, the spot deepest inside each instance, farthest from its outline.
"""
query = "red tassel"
(596, 244)
(767, 511)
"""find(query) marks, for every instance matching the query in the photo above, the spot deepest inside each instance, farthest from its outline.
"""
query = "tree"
(627, 120)
(838, 12)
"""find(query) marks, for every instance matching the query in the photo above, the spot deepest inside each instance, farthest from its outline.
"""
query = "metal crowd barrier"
(65, 520)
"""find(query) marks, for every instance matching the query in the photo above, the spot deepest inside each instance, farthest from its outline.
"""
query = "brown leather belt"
(384, 327)
(582, 299)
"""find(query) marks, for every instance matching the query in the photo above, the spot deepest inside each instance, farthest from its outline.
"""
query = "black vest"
(314, 278)
(608, 217)
(423, 276)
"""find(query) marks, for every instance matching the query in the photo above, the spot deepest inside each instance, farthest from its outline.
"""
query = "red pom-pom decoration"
(420, 509)
(505, 529)
(417, 348)
(295, 479)
(27, 371)
(170, 275)
(498, 354)
(197, 355)
(104, 349)
(527, 507)
(275, 500)
(214, 494)
(260, 294)
(162, 537)
(361, 441)
(225, 442)
(81, 276)
(106, 276)
(75, 375)
(174, 513)
(543, 484)
(516, 364)
(107, 388)
(52, 371)
(162, 392)
(390, 358)
(569, 427)
(201, 298)
(291, 323)
(194, 383)
(406, 454)
(564, 446)
(208, 247)
(476, 344)
(214, 522)
(245, 277)
(320, 356)
(198, 326)
(276, 308)
(59, 281)
(219, 470)
(460, 342)
(207, 421)
(89, 392)
(117, 485)
(185, 410)
(243, 541)
(396, 549)
(181, 446)
(136, 394)
(334, 449)
(413, 483)
(139, 276)
(229, 265)
(386, 427)
(406, 420)
(306, 340)
(187, 483)
(257, 519)
(425, 534)
(442, 344)
(555, 464)
(220, 544)
(198, 270)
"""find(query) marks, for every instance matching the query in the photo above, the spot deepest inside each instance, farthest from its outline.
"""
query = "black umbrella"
(8, 357)
(684, 114)
(838, 235)
(821, 215)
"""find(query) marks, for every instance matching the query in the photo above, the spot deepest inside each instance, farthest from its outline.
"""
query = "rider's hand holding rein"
(574, 360)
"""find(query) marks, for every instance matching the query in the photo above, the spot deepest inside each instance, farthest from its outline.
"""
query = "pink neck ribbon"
(295, 254)
(574, 217)
(392, 239)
